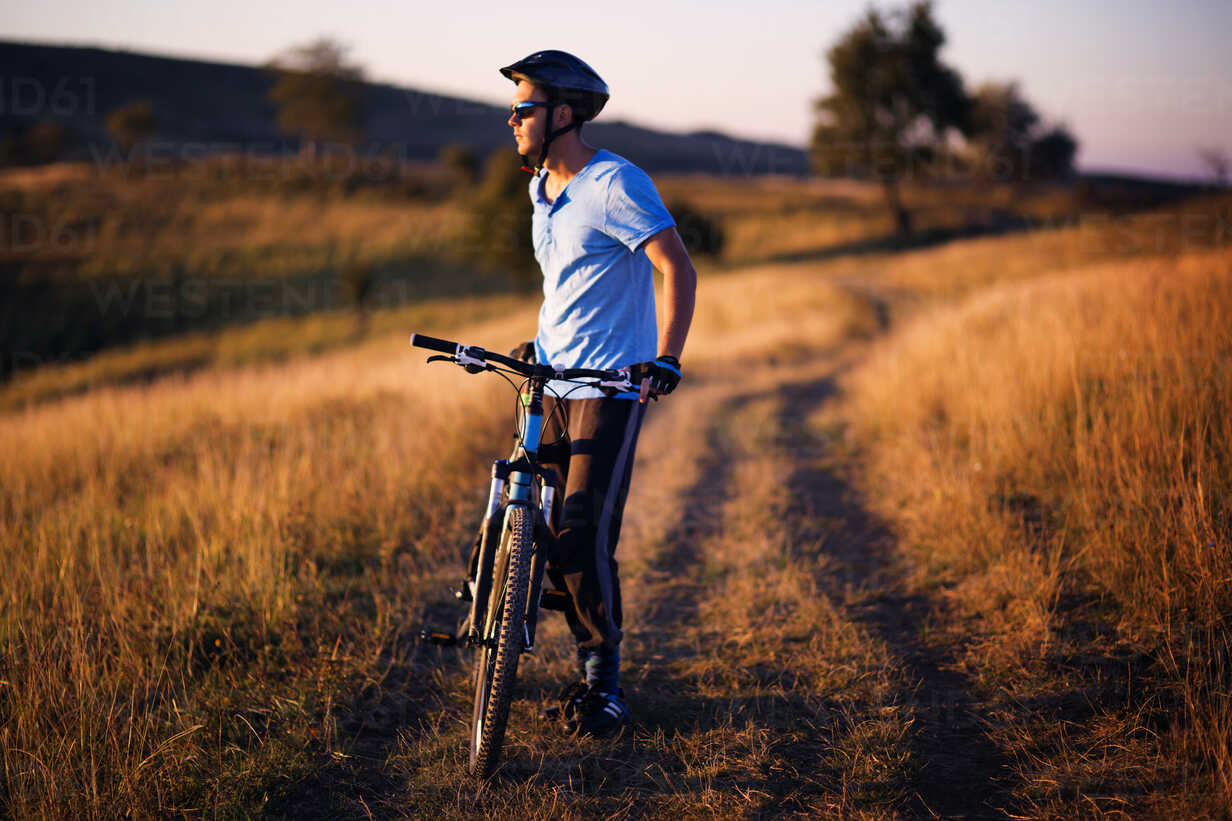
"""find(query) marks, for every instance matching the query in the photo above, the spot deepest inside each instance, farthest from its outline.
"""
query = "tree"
(131, 123)
(1216, 161)
(1009, 141)
(318, 94)
(1052, 154)
(893, 101)
(1000, 128)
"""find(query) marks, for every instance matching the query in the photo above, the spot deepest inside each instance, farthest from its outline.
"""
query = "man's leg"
(603, 439)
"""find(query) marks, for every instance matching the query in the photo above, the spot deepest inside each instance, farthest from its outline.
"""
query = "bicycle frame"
(514, 479)
(519, 475)
(514, 541)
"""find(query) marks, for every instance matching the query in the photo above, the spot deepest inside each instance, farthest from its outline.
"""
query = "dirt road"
(773, 660)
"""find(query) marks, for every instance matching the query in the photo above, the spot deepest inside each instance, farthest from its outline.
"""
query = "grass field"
(1062, 485)
(925, 532)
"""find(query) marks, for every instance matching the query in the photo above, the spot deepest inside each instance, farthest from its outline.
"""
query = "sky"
(1141, 84)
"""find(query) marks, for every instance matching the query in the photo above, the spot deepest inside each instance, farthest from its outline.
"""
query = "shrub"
(498, 234)
(701, 234)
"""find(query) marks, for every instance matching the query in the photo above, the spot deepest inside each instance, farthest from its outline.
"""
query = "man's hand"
(524, 352)
(664, 374)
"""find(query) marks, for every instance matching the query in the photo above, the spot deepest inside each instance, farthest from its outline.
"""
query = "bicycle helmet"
(566, 80)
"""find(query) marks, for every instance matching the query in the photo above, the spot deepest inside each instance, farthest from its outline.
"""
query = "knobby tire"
(496, 669)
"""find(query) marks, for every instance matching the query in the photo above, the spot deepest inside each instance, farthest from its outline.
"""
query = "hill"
(205, 107)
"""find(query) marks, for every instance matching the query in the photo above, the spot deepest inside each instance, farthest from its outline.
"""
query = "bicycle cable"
(558, 408)
(559, 403)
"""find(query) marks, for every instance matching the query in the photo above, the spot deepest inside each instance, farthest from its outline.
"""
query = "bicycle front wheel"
(496, 662)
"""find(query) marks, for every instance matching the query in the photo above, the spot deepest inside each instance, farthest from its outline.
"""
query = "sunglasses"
(525, 109)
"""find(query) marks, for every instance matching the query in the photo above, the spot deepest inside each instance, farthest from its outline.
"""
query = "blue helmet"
(565, 79)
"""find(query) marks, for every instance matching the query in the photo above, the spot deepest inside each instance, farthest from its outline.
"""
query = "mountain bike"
(504, 584)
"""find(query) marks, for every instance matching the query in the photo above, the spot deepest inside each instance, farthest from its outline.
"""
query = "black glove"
(664, 374)
(525, 352)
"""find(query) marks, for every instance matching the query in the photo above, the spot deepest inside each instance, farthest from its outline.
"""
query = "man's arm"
(666, 252)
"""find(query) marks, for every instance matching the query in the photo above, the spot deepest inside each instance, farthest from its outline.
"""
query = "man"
(599, 227)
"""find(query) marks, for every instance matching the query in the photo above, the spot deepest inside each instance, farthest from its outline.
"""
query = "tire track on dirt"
(749, 677)
(770, 657)
(962, 773)
(775, 598)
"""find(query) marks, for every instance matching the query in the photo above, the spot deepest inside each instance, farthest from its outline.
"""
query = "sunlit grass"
(183, 554)
(268, 340)
(260, 219)
(204, 570)
(1071, 437)
(173, 551)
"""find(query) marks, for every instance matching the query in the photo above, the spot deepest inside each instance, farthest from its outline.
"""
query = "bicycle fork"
(519, 478)
(547, 499)
(520, 492)
(491, 543)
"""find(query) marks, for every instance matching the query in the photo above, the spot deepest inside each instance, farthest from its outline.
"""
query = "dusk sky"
(1141, 84)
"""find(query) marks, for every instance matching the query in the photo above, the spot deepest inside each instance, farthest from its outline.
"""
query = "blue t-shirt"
(598, 285)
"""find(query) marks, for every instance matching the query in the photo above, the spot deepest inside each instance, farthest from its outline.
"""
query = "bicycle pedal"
(439, 639)
(557, 600)
(550, 713)
(463, 591)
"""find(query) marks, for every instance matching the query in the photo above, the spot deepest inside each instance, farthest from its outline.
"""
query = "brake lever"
(623, 386)
(470, 366)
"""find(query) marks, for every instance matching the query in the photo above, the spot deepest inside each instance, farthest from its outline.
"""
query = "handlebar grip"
(434, 344)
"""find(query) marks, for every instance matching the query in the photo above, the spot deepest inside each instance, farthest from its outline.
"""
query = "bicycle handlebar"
(473, 355)
(433, 344)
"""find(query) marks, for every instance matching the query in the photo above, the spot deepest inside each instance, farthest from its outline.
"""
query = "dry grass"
(248, 222)
(772, 312)
(769, 305)
(960, 268)
(204, 571)
(754, 692)
(1056, 454)
(196, 569)
(213, 580)
(790, 219)
(252, 234)
(265, 341)
(206, 220)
